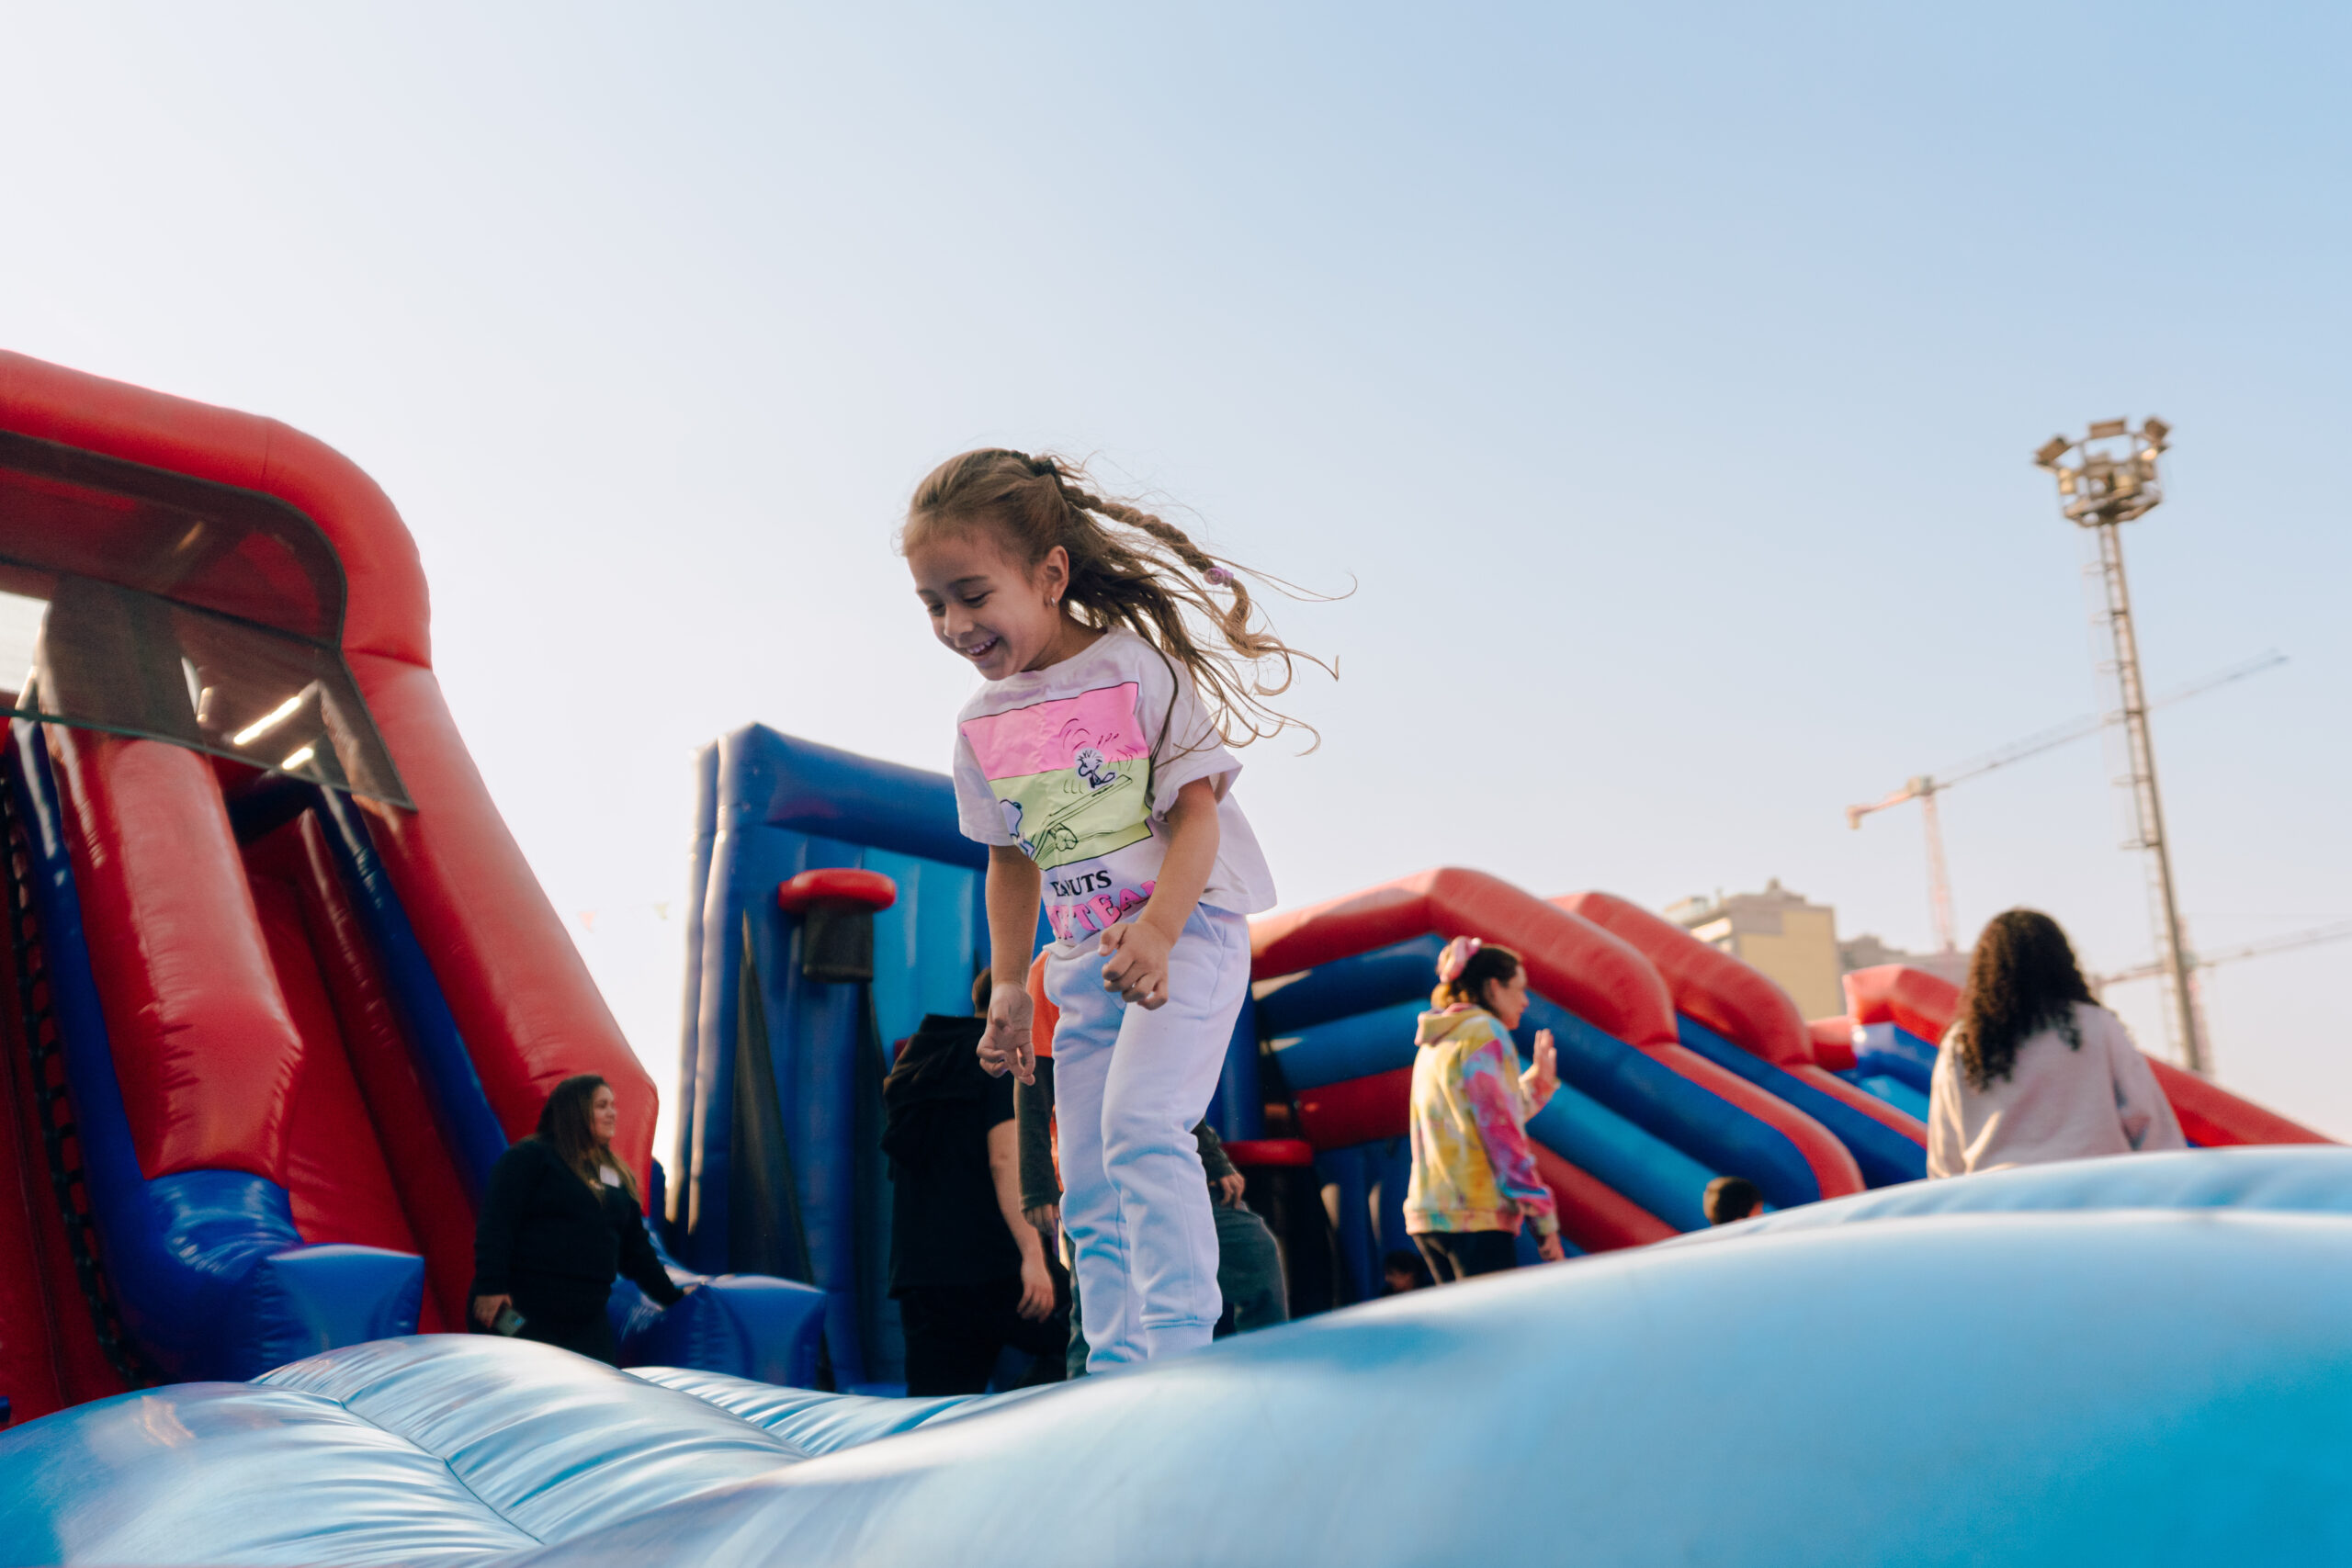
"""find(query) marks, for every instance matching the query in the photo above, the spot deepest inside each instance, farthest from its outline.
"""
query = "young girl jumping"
(1093, 762)
(1474, 1178)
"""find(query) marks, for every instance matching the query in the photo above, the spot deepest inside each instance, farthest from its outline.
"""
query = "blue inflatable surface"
(2140, 1359)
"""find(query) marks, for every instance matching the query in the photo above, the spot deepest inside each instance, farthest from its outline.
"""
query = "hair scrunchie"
(1456, 958)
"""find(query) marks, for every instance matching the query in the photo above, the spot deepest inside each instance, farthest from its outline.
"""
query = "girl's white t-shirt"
(1077, 764)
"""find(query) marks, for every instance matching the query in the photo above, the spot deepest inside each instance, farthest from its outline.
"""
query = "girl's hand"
(1135, 964)
(1036, 1288)
(1005, 1042)
(1544, 1076)
(1549, 1249)
(1045, 1219)
(487, 1308)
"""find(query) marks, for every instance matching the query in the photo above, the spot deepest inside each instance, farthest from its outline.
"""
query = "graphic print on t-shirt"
(1072, 777)
(1070, 774)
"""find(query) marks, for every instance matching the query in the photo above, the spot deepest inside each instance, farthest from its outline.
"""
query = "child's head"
(1731, 1198)
(1476, 973)
(1403, 1269)
(1006, 547)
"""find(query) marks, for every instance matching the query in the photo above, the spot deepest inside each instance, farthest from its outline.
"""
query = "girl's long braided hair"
(1127, 569)
(2022, 980)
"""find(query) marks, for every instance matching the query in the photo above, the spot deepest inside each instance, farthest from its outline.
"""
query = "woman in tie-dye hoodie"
(1475, 1180)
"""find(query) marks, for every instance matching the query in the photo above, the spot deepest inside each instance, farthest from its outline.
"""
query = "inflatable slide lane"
(1641, 1124)
(280, 986)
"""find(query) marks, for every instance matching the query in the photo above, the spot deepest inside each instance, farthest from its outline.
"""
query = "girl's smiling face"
(985, 606)
(604, 1117)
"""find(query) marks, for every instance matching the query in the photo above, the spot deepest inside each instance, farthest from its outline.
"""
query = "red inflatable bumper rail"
(1833, 1042)
(2212, 1116)
(1737, 1001)
(1912, 999)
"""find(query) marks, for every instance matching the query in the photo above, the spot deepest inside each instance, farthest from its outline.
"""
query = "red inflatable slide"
(281, 983)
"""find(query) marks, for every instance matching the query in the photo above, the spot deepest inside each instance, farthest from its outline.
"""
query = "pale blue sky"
(1665, 377)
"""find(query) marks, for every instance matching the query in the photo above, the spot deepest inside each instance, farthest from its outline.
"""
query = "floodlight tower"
(2107, 477)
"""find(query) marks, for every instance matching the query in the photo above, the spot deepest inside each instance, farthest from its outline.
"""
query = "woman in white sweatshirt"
(2033, 1071)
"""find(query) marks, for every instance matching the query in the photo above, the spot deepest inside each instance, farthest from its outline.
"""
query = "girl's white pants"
(1129, 1086)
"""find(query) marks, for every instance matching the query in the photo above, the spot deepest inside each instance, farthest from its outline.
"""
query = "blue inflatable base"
(2135, 1360)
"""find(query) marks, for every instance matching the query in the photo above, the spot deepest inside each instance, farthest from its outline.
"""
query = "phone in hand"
(508, 1321)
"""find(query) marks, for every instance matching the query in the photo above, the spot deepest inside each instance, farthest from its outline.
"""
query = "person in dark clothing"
(968, 1273)
(561, 1221)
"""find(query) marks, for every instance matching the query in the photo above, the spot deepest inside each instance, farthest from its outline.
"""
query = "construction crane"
(2340, 932)
(1927, 786)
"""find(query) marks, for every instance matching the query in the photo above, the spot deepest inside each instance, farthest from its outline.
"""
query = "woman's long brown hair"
(1129, 568)
(565, 1125)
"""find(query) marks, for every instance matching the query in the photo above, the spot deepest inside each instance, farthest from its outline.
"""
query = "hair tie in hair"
(1217, 575)
(1456, 958)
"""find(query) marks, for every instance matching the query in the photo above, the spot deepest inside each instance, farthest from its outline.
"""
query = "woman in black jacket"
(560, 1220)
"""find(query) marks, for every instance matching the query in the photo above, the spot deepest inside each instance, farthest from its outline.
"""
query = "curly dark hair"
(2022, 980)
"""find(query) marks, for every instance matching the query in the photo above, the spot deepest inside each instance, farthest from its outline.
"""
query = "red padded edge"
(1861, 1100)
(203, 1047)
(1339, 1115)
(2212, 1116)
(837, 885)
(1833, 1043)
(1911, 1000)
(1737, 1001)
(1270, 1151)
(386, 611)
(1594, 1215)
(530, 1014)
(1577, 964)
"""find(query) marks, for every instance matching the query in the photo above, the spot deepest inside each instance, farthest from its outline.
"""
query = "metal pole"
(1939, 881)
(2147, 806)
